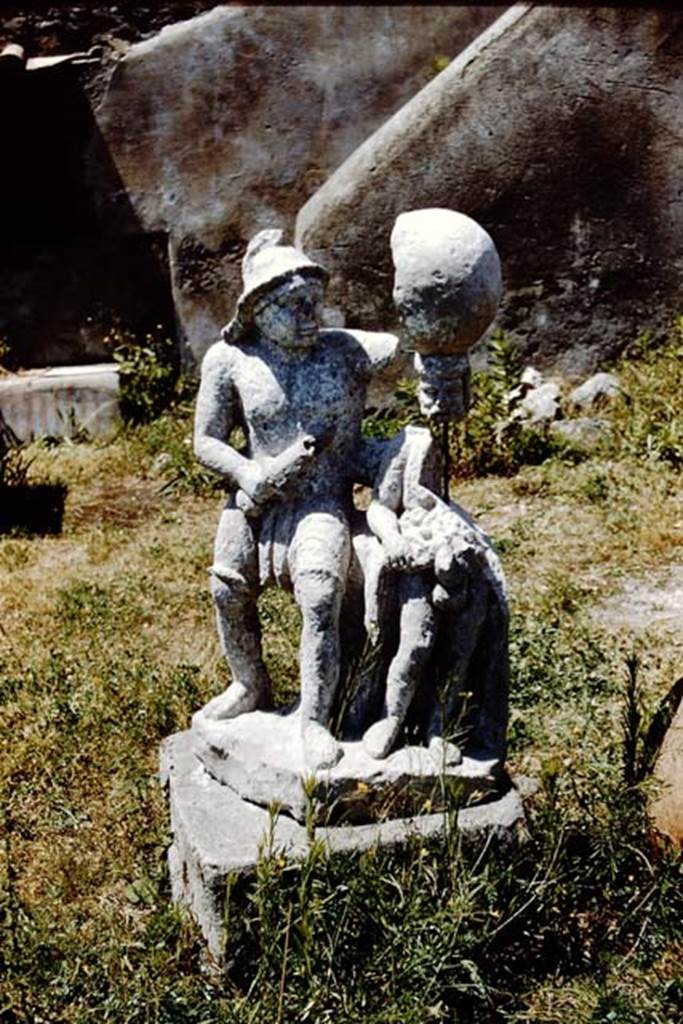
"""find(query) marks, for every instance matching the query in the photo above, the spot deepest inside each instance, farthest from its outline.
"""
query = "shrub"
(148, 373)
(484, 442)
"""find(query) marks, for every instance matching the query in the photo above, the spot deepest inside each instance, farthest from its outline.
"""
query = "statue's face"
(290, 316)
(443, 398)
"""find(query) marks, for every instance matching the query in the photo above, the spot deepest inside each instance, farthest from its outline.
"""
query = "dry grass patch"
(108, 644)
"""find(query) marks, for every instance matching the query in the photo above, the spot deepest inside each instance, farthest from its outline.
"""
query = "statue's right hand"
(269, 477)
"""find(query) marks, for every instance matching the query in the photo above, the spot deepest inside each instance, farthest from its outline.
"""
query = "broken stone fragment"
(62, 401)
(540, 405)
(531, 378)
(601, 388)
(583, 433)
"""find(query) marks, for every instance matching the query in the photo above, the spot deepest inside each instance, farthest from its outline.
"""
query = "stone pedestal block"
(217, 835)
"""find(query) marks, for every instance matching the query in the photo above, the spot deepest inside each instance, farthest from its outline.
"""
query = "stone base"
(259, 755)
(217, 835)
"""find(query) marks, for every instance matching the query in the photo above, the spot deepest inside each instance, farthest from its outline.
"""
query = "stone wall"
(560, 131)
(227, 123)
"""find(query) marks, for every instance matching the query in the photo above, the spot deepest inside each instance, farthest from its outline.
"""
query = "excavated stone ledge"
(61, 401)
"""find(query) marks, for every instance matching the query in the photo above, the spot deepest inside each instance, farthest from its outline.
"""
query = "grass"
(107, 644)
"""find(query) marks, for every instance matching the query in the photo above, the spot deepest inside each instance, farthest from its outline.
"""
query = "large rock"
(601, 388)
(667, 808)
(225, 124)
(558, 130)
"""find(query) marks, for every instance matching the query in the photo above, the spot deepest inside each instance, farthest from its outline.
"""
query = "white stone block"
(61, 401)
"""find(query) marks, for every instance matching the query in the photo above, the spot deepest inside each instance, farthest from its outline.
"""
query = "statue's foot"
(236, 700)
(380, 737)
(444, 753)
(321, 750)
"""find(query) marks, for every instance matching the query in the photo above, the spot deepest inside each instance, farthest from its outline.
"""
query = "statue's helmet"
(266, 266)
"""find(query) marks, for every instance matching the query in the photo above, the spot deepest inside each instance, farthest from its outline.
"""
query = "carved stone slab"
(259, 756)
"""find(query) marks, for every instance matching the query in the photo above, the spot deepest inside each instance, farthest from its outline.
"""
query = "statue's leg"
(234, 585)
(449, 713)
(320, 559)
(417, 637)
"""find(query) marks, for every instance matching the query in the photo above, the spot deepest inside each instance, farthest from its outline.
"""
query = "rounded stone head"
(447, 283)
(279, 281)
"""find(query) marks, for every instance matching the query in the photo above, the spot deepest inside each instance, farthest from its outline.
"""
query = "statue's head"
(282, 295)
(447, 281)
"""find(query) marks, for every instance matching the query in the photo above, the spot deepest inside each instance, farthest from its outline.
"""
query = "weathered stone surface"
(225, 124)
(558, 130)
(62, 401)
(260, 756)
(583, 433)
(217, 834)
(667, 809)
(598, 389)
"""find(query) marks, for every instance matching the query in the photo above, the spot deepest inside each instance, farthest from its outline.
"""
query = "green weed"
(648, 423)
(484, 442)
(148, 372)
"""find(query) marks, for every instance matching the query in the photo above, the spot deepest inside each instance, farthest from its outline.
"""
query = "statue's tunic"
(322, 394)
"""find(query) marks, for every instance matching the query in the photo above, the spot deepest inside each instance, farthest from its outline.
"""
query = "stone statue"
(430, 570)
(431, 591)
(298, 392)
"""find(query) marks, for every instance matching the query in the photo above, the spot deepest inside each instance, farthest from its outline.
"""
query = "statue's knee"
(228, 590)
(319, 597)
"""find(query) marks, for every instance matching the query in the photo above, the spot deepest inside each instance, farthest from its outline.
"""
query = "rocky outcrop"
(225, 124)
(559, 131)
(666, 808)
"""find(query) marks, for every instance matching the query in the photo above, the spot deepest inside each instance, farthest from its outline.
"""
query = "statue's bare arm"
(215, 417)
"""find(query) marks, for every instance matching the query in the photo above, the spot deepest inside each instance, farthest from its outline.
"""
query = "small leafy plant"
(484, 441)
(148, 372)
